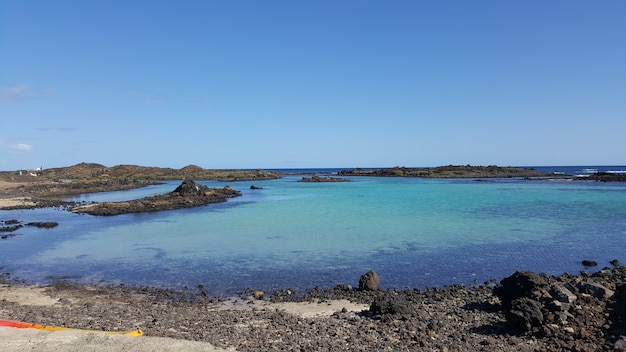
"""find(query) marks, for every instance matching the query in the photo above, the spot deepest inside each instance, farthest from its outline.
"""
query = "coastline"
(455, 318)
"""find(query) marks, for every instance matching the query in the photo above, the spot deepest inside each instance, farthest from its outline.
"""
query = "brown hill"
(135, 172)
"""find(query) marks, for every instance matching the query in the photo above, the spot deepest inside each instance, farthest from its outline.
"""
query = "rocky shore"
(451, 171)
(39, 189)
(318, 178)
(188, 195)
(524, 312)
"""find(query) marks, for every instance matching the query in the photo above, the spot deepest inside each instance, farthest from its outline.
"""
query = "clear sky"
(287, 84)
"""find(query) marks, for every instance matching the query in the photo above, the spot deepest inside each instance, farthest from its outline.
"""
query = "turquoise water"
(413, 232)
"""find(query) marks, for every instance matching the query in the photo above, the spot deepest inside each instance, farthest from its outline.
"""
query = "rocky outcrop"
(451, 171)
(566, 309)
(589, 263)
(521, 284)
(318, 178)
(187, 195)
(43, 224)
(190, 188)
(605, 177)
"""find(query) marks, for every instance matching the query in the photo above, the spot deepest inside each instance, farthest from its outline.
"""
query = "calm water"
(413, 232)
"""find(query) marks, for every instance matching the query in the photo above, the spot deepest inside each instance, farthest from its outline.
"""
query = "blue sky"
(286, 84)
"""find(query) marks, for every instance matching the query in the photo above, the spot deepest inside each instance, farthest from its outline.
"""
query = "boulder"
(521, 284)
(589, 263)
(596, 290)
(562, 294)
(525, 313)
(369, 281)
(392, 304)
(190, 187)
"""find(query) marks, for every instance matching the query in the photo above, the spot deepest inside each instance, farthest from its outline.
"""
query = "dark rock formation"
(605, 177)
(12, 226)
(595, 290)
(187, 195)
(524, 313)
(568, 308)
(255, 187)
(589, 263)
(369, 281)
(392, 304)
(317, 178)
(46, 224)
(521, 284)
(451, 171)
(190, 188)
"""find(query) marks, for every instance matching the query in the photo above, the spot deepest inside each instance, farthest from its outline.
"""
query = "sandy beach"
(8, 198)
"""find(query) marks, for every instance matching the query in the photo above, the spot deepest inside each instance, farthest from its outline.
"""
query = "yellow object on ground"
(19, 324)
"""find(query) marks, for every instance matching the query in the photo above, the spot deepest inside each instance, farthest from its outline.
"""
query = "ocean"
(413, 232)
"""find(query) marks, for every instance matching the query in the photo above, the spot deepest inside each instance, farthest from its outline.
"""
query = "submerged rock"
(589, 263)
(43, 224)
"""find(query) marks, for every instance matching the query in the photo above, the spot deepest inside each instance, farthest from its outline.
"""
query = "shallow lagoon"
(413, 232)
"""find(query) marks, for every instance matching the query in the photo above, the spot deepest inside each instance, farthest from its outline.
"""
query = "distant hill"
(135, 172)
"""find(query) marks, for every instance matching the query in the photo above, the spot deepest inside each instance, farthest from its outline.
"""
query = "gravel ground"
(455, 318)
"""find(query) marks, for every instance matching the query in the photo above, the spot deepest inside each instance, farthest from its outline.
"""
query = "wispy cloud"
(21, 147)
(21, 92)
(56, 129)
(155, 99)
(14, 94)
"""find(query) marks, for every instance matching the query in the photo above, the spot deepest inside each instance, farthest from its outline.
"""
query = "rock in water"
(589, 263)
(369, 281)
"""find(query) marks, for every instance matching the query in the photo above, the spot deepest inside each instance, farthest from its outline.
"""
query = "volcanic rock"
(596, 290)
(525, 313)
(190, 187)
(369, 281)
(43, 224)
(521, 284)
(589, 263)
(392, 304)
(187, 195)
(562, 294)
